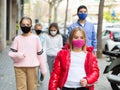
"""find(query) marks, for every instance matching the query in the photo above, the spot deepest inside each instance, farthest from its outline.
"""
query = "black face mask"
(25, 29)
(38, 31)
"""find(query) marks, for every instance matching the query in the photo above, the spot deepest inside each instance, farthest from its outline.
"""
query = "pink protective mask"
(78, 43)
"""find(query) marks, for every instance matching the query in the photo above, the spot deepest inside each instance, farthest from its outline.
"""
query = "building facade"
(10, 13)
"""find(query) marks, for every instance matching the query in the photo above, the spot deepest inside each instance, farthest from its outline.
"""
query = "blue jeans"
(50, 60)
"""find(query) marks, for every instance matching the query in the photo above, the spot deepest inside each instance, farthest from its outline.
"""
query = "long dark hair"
(53, 25)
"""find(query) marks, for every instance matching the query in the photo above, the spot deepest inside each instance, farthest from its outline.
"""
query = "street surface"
(7, 77)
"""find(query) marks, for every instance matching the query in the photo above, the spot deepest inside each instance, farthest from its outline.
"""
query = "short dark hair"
(80, 7)
(54, 24)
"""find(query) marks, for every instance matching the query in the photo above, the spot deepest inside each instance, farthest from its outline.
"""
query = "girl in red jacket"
(75, 66)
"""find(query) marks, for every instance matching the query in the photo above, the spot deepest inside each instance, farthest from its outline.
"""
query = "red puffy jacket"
(61, 68)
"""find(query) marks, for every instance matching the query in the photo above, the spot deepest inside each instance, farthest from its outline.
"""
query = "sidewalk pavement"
(102, 83)
(7, 76)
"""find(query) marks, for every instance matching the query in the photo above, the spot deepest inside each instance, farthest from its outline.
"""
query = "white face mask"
(53, 33)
